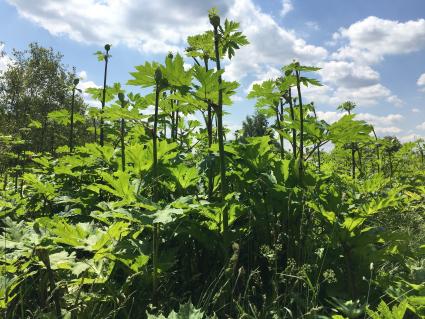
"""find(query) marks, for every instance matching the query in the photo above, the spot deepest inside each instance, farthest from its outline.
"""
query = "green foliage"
(347, 130)
(99, 237)
(256, 125)
(384, 312)
(186, 311)
(145, 75)
(36, 94)
(231, 38)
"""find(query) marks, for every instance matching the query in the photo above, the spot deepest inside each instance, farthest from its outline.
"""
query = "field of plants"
(135, 209)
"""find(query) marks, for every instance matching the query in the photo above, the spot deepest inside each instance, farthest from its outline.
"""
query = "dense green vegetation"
(133, 210)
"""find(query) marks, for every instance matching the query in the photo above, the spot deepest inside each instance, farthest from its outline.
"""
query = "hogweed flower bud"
(121, 97)
(214, 18)
(158, 75)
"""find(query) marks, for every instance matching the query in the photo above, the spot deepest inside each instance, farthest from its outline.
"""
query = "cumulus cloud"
(271, 45)
(330, 116)
(287, 7)
(150, 26)
(395, 100)
(380, 120)
(415, 110)
(351, 80)
(371, 39)
(362, 44)
(348, 74)
(318, 94)
(357, 81)
(365, 96)
(146, 26)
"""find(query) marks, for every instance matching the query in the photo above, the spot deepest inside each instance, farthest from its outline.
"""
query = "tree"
(33, 87)
(255, 125)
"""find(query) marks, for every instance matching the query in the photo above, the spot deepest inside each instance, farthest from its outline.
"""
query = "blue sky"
(371, 52)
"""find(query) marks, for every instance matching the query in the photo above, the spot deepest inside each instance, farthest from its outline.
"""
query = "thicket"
(119, 212)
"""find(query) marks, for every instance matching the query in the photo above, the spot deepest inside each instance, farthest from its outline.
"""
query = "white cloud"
(363, 96)
(348, 80)
(421, 126)
(86, 84)
(146, 26)
(395, 100)
(271, 45)
(150, 26)
(410, 138)
(372, 38)
(348, 74)
(330, 116)
(380, 120)
(318, 94)
(415, 110)
(82, 75)
(421, 82)
(387, 130)
(287, 7)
